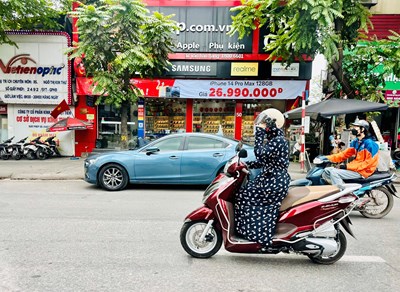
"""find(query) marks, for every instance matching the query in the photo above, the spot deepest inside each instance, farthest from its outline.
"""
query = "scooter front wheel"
(191, 243)
(41, 154)
(333, 258)
(3, 154)
(379, 205)
(30, 155)
(16, 155)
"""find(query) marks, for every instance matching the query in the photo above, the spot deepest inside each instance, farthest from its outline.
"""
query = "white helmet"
(272, 117)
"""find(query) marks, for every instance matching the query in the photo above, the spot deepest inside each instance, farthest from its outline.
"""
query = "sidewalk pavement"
(71, 168)
(68, 168)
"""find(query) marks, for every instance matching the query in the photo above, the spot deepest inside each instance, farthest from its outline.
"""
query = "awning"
(335, 107)
(68, 124)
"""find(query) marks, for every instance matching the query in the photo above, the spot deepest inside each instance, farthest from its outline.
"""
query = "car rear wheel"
(113, 177)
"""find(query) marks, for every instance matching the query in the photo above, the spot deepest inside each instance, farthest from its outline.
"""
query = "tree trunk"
(124, 124)
(337, 65)
(125, 107)
(337, 70)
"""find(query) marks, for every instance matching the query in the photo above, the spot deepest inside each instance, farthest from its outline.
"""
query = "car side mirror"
(152, 150)
(243, 153)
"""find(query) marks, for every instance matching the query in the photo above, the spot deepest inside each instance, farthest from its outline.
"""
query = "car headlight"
(90, 162)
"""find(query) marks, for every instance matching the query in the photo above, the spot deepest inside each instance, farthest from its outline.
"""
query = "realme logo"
(244, 69)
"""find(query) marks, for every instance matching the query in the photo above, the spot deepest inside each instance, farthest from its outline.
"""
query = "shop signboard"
(185, 68)
(141, 128)
(392, 94)
(33, 120)
(37, 71)
(205, 29)
(210, 89)
(392, 90)
(282, 70)
(244, 69)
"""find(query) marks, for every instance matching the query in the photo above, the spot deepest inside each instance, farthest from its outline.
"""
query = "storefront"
(207, 106)
(35, 76)
(216, 83)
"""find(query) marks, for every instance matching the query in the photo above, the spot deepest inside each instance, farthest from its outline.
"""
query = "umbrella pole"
(302, 137)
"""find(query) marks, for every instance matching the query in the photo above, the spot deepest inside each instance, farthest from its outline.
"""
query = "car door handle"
(173, 157)
(218, 154)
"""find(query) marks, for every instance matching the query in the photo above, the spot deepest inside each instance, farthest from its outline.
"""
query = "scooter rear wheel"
(328, 260)
(190, 239)
(381, 203)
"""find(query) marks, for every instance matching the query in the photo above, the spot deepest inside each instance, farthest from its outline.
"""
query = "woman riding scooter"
(257, 204)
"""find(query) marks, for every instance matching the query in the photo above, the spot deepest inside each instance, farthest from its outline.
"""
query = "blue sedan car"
(186, 158)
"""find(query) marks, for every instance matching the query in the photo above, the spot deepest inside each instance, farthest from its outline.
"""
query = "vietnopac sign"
(37, 71)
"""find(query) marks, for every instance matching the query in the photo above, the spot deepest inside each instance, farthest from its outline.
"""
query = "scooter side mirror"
(239, 146)
(243, 153)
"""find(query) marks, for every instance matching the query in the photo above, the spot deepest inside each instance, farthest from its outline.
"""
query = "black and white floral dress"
(257, 204)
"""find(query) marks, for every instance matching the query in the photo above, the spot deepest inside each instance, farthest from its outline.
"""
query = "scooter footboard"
(300, 182)
(202, 213)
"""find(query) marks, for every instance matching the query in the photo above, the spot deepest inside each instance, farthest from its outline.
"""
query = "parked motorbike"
(309, 223)
(4, 148)
(17, 149)
(377, 190)
(31, 148)
(43, 150)
(52, 149)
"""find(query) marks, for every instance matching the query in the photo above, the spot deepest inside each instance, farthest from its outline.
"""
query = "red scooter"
(308, 224)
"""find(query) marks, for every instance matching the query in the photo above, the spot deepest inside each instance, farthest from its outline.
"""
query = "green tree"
(368, 63)
(119, 40)
(29, 15)
(299, 28)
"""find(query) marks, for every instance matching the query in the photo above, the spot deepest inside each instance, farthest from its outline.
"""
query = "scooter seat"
(301, 195)
(373, 177)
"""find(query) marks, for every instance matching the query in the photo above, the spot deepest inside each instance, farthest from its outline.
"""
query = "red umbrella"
(69, 124)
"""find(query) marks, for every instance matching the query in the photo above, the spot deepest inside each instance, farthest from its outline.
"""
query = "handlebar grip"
(245, 171)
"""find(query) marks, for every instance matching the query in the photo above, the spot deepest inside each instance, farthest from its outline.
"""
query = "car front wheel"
(113, 177)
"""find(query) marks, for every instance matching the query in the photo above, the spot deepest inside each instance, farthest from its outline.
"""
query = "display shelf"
(149, 123)
(161, 123)
(177, 123)
(211, 123)
(248, 129)
(228, 126)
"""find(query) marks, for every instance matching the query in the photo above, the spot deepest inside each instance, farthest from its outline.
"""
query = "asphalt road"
(71, 236)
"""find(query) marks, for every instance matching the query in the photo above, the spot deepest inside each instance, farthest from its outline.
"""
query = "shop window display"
(214, 117)
(110, 127)
(165, 116)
